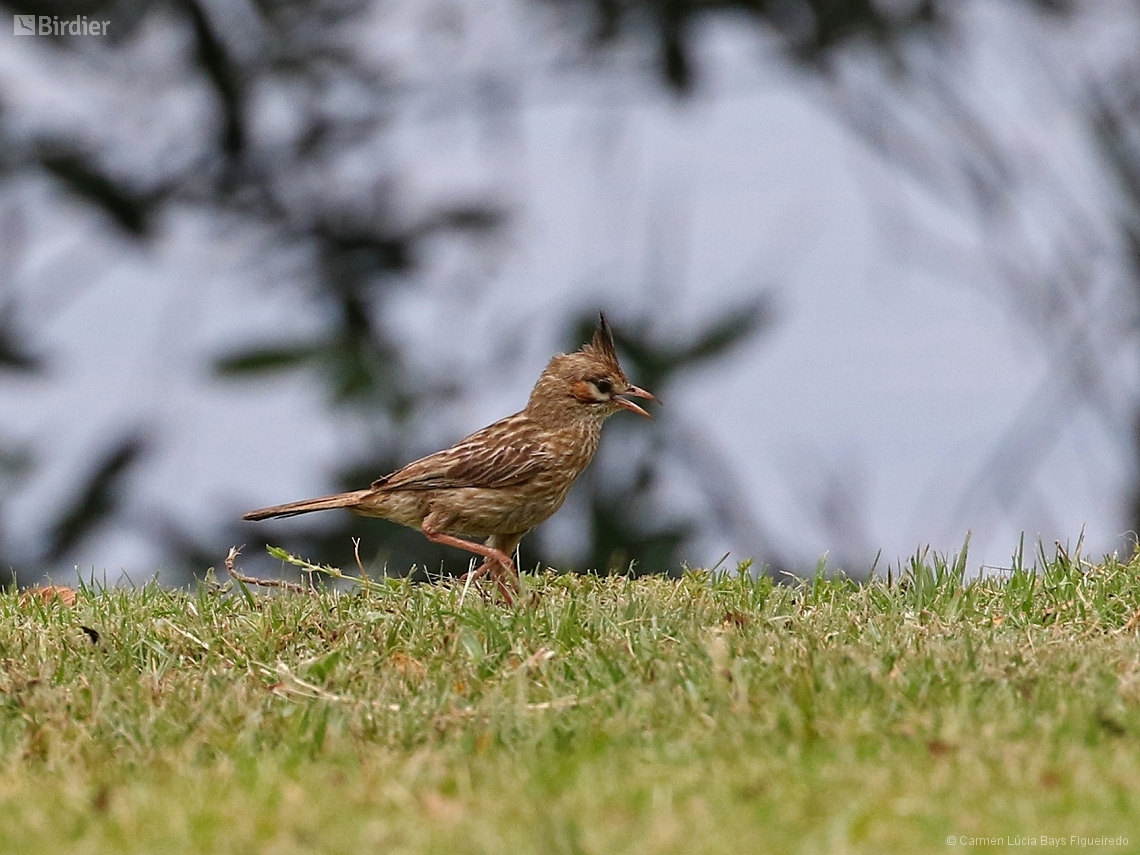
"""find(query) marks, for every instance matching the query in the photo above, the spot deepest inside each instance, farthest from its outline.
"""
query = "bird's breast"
(572, 446)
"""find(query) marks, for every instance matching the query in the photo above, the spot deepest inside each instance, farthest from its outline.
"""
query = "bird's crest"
(602, 346)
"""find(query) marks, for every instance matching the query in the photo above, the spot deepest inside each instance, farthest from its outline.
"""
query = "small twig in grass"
(235, 551)
(324, 569)
(359, 563)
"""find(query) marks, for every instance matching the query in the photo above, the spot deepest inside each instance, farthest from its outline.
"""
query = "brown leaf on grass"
(47, 593)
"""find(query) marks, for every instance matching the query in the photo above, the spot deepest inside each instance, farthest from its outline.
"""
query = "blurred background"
(879, 259)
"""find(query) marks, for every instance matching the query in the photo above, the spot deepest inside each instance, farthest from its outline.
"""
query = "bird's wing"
(503, 454)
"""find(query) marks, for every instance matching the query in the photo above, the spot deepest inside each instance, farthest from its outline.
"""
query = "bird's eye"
(604, 386)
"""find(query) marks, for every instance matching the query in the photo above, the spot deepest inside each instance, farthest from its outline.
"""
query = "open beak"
(634, 392)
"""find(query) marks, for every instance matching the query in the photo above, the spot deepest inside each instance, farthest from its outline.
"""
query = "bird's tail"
(340, 500)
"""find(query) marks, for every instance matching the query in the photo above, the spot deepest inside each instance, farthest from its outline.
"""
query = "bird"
(500, 482)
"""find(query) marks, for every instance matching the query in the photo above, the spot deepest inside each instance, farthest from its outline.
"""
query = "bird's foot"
(505, 577)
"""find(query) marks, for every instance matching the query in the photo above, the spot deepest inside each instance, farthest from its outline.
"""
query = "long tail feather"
(324, 503)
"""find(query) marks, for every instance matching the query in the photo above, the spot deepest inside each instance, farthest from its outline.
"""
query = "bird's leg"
(507, 544)
(490, 553)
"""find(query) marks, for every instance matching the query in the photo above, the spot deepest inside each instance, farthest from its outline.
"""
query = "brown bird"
(505, 479)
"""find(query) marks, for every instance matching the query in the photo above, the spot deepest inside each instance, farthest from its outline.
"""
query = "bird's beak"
(635, 392)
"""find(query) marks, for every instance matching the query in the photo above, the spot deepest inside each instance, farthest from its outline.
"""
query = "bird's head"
(588, 382)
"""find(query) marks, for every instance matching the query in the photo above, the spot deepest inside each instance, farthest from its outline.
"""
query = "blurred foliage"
(15, 352)
(360, 253)
(81, 175)
(1115, 119)
(359, 249)
(362, 249)
(17, 357)
(98, 497)
(810, 31)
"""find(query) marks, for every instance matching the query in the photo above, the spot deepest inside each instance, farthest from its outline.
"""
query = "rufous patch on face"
(584, 391)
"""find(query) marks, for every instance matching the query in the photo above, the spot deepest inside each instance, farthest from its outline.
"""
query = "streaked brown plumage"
(505, 479)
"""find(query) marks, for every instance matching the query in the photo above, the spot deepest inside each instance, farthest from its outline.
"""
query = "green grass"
(600, 715)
